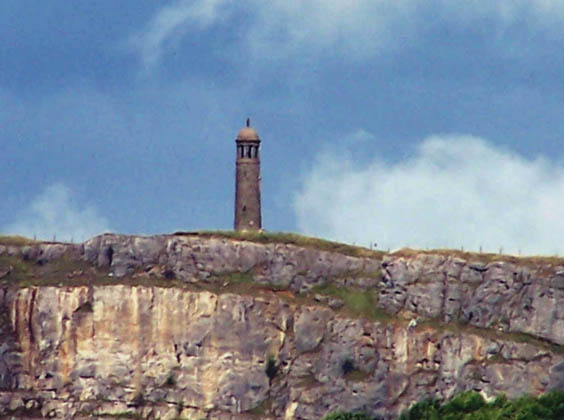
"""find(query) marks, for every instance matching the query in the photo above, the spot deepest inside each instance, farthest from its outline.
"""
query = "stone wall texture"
(193, 351)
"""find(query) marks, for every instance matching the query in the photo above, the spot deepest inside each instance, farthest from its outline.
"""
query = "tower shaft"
(247, 196)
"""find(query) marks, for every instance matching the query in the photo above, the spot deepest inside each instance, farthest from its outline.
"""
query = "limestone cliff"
(184, 326)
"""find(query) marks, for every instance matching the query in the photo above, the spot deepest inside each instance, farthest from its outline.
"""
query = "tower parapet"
(247, 180)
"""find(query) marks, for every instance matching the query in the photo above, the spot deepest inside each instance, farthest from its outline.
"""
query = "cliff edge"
(213, 327)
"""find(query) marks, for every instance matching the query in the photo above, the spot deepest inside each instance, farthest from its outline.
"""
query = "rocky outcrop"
(514, 297)
(193, 347)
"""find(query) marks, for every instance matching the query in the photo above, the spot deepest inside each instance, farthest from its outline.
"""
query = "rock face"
(176, 330)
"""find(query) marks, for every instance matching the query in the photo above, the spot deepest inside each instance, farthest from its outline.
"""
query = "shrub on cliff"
(472, 406)
(424, 410)
(340, 415)
(271, 367)
(463, 403)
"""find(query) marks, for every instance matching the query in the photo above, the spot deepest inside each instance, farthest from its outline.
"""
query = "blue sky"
(400, 122)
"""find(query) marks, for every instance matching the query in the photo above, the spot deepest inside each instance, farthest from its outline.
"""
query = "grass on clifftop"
(358, 251)
(289, 238)
(65, 271)
(545, 261)
(337, 247)
(15, 240)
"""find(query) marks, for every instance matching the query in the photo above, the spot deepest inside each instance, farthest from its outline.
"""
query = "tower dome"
(248, 133)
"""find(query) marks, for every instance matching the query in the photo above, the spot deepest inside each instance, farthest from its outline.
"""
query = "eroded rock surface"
(167, 352)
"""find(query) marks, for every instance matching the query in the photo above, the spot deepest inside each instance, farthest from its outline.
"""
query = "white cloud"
(171, 23)
(357, 27)
(455, 191)
(360, 136)
(354, 27)
(53, 213)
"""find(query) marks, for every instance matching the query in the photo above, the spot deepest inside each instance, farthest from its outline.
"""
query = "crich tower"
(247, 180)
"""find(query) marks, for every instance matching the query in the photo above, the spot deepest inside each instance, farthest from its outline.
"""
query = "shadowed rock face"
(196, 350)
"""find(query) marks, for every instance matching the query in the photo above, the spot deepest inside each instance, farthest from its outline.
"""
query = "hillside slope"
(215, 327)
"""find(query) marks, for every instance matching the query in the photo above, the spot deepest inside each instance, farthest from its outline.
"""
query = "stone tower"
(247, 180)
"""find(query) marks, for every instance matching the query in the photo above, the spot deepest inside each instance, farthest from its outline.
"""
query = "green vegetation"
(262, 409)
(356, 302)
(64, 271)
(351, 373)
(472, 406)
(237, 283)
(271, 368)
(357, 375)
(231, 280)
(16, 269)
(15, 240)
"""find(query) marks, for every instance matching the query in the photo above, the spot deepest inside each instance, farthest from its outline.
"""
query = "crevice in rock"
(109, 255)
(31, 312)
